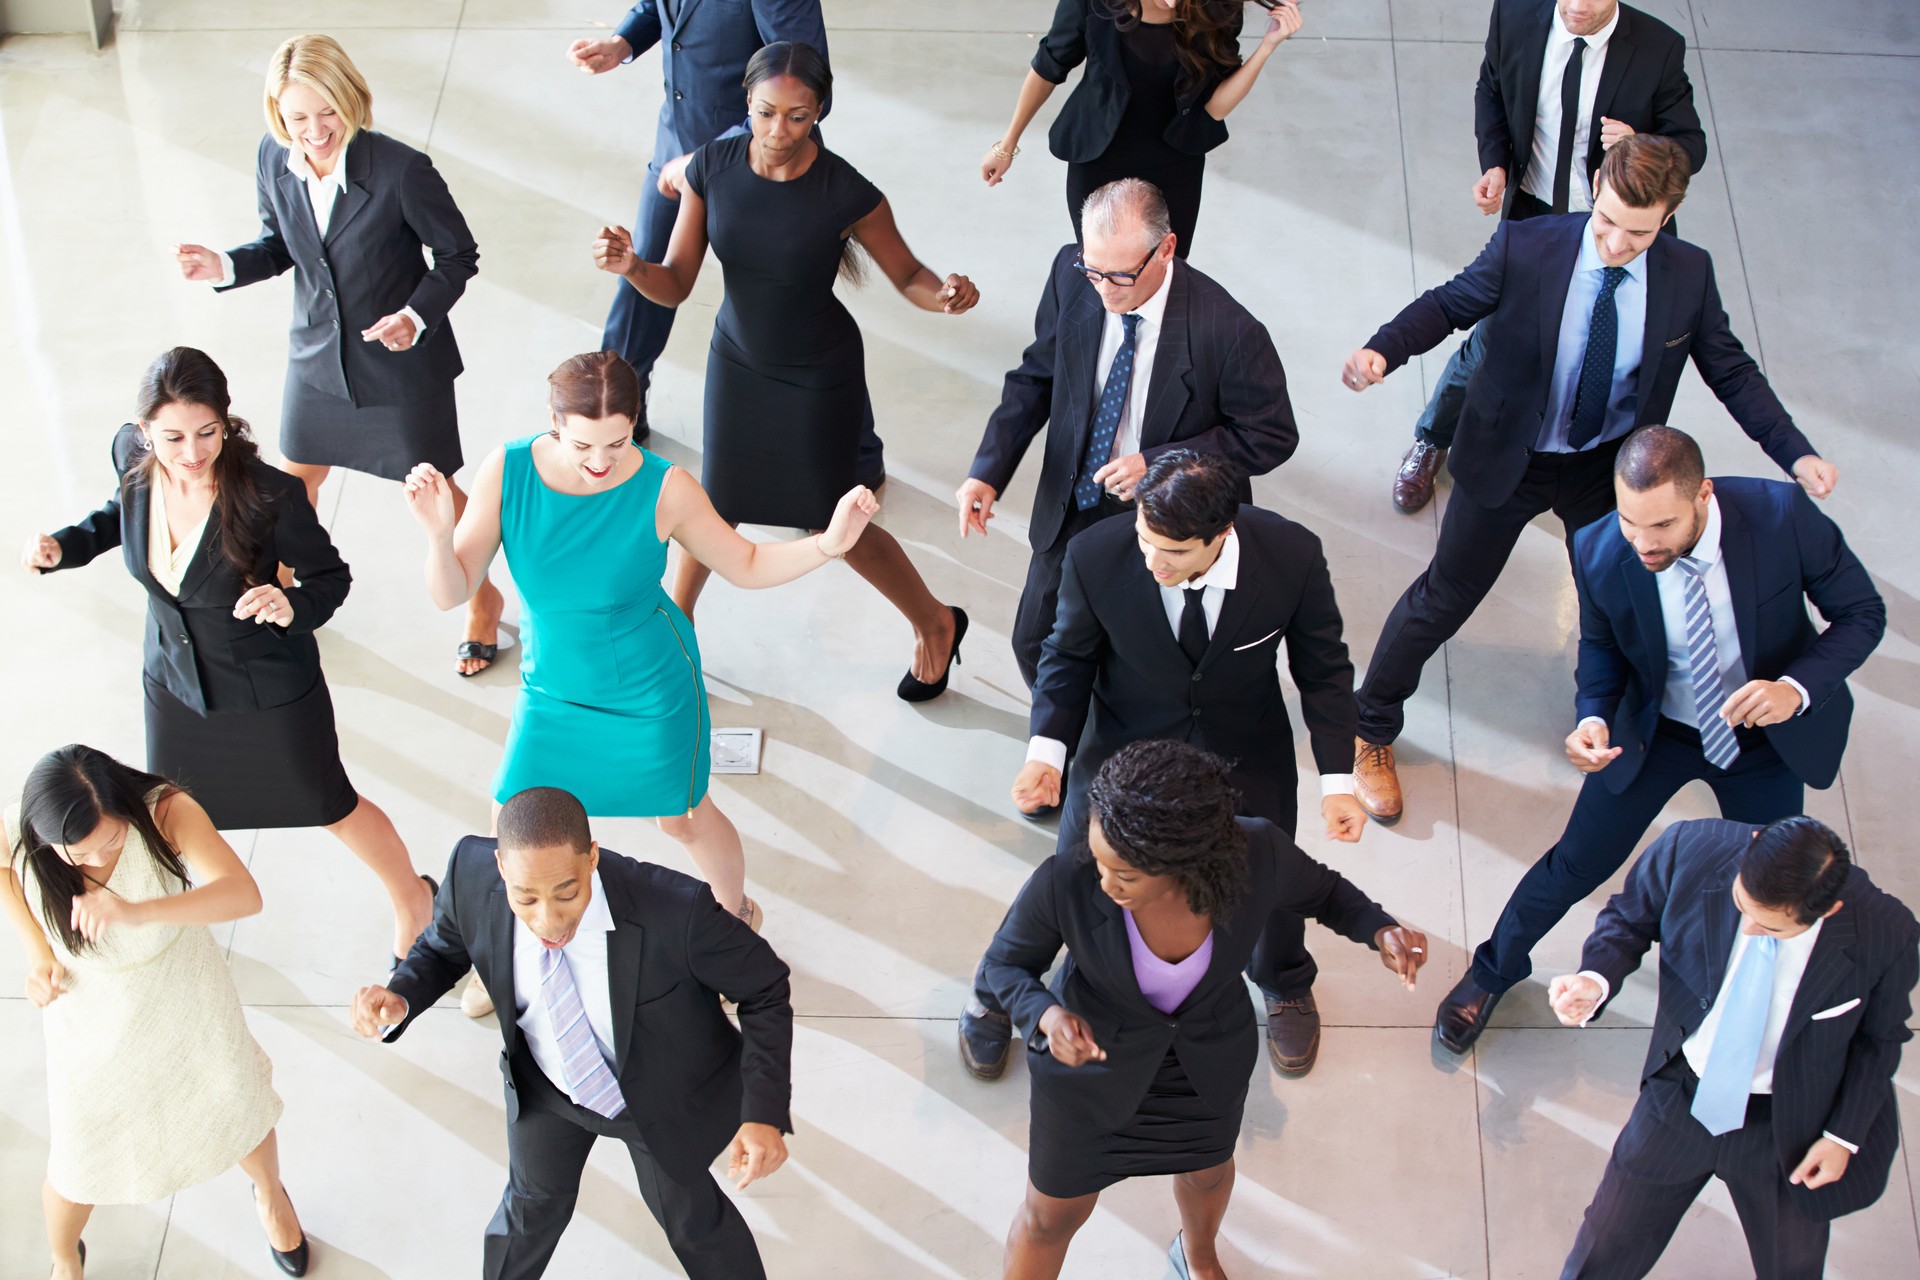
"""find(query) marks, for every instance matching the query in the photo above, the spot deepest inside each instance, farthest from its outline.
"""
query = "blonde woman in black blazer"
(237, 708)
(372, 356)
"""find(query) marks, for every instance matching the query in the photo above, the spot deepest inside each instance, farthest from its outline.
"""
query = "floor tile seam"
(1733, 214)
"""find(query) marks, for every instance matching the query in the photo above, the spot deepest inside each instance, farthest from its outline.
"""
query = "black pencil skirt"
(385, 440)
(252, 769)
(1172, 1131)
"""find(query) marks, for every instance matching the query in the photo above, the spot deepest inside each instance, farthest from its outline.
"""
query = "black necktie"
(1193, 624)
(1569, 120)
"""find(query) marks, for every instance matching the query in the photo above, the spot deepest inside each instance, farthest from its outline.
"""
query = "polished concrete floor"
(879, 836)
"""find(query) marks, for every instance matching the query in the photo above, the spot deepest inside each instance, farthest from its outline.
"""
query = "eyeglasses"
(1116, 277)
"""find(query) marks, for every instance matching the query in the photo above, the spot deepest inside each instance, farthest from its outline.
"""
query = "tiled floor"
(879, 837)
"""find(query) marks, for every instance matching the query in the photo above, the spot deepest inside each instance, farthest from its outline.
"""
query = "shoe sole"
(981, 1070)
(1280, 1063)
(1384, 819)
(1457, 1050)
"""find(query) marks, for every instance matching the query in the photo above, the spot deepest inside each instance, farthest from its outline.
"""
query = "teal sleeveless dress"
(612, 706)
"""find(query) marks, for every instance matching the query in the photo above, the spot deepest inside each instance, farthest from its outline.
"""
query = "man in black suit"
(1785, 981)
(613, 970)
(1697, 663)
(1134, 353)
(1588, 321)
(1555, 75)
(1169, 625)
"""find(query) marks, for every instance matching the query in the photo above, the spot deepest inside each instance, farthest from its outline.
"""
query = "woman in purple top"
(1141, 1050)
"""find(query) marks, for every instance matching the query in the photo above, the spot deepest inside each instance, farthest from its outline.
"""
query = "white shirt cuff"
(1336, 784)
(419, 326)
(1049, 751)
(1801, 710)
(1606, 990)
(1587, 720)
(1851, 1149)
(226, 273)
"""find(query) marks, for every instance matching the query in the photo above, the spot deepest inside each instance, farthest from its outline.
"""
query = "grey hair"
(1127, 198)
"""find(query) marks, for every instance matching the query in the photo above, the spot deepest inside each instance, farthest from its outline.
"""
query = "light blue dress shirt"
(1630, 303)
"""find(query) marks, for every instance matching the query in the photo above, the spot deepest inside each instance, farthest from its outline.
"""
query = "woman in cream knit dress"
(154, 1082)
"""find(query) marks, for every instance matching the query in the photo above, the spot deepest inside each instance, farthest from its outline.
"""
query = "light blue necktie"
(1703, 657)
(1720, 1103)
(1107, 417)
(589, 1082)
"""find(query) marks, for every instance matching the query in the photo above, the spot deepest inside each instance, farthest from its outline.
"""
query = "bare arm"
(223, 889)
(457, 554)
(1233, 90)
(667, 282)
(685, 514)
(1034, 92)
(13, 900)
(880, 236)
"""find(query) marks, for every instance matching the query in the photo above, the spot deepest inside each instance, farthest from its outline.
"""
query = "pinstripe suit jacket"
(1834, 1069)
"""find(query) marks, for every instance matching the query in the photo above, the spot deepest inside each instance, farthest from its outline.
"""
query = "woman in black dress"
(372, 361)
(1141, 1052)
(238, 711)
(1161, 78)
(786, 373)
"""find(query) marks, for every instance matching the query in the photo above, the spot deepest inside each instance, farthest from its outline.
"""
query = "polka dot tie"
(1596, 367)
(1107, 417)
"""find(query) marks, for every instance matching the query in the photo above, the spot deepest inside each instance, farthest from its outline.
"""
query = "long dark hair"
(185, 375)
(1199, 34)
(69, 793)
(809, 66)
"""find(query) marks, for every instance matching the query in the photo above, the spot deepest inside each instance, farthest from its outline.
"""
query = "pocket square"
(1262, 640)
(1837, 1010)
(1674, 342)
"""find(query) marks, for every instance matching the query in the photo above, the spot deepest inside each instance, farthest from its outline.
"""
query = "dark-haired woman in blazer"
(1161, 78)
(237, 708)
(1141, 1051)
(372, 357)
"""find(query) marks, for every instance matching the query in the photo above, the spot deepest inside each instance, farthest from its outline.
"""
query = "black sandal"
(474, 649)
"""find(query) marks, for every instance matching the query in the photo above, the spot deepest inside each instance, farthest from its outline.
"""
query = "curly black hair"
(1167, 809)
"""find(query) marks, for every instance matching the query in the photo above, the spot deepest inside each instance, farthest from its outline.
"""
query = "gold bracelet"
(821, 547)
(1000, 149)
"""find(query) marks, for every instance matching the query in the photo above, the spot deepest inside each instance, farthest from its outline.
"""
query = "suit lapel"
(1643, 593)
(1081, 347)
(202, 560)
(1167, 383)
(1532, 55)
(1556, 278)
(1737, 553)
(498, 976)
(354, 196)
(1829, 970)
(298, 219)
(1235, 609)
(136, 500)
(623, 963)
(1653, 337)
(1150, 609)
(1116, 949)
(1619, 55)
(1722, 922)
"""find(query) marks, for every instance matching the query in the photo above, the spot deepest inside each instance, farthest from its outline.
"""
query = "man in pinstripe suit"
(1785, 988)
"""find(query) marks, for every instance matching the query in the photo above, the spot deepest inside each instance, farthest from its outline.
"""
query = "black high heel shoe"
(292, 1261)
(912, 690)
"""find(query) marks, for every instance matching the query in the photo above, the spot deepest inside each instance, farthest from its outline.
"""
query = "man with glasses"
(1134, 353)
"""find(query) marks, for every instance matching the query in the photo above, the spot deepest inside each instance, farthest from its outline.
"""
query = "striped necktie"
(1703, 656)
(1107, 416)
(588, 1082)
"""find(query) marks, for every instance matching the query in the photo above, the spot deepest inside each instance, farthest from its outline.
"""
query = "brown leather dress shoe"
(1376, 784)
(1413, 482)
(1293, 1034)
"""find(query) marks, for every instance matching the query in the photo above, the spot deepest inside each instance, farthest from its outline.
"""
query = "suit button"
(677, 95)
(1196, 680)
(182, 638)
(1705, 1004)
(676, 46)
(1196, 713)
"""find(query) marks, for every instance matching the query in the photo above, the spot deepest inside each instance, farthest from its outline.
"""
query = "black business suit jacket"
(1780, 552)
(1112, 671)
(688, 1077)
(194, 647)
(1643, 85)
(1213, 1031)
(366, 267)
(1841, 1045)
(1216, 386)
(1084, 31)
(1516, 290)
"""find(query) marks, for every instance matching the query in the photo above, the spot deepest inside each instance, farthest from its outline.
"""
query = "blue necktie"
(1720, 1103)
(588, 1081)
(1107, 417)
(1596, 367)
(1703, 657)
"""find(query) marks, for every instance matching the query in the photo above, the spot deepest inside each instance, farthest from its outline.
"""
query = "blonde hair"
(319, 63)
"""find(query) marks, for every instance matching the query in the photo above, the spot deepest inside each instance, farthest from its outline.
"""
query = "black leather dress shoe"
(986, 1042)
(1463, 1014)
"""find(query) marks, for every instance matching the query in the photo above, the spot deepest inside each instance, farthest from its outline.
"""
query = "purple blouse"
(1164, 984)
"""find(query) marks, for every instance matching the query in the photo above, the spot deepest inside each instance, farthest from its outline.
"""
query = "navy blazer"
(194, 647)
(1517, 289)
(368, 266)
(1112, 671)
(1643, 85)
(1084, 31)
(1216, 386)
(1213, 1032)
(1780, 552)
(689, 1078)
(705, 46)
(1841, 1045)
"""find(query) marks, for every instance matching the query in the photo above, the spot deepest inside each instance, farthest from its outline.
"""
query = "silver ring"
(1419, 951)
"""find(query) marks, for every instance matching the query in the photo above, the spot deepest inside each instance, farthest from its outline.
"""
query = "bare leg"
(1202, 1198)
(483, 611)
(882, 561)
(714, 845)
(370, 834)
(309, 475)
(1042, 1229)
(65, 1221)
(689, 579)
(262, 1167)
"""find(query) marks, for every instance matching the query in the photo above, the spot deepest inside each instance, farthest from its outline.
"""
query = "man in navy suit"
(1697, 663)
(704, 49)
(1588, 321)
(1785, 987)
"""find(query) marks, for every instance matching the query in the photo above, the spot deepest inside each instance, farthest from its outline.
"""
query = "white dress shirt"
(586, 956)
(1146, 342)
(1538, 182)
(1222, 576)
(167, 560)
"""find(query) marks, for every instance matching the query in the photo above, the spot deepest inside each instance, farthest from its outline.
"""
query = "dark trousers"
(1474, 544)
(547, 1146)
(1660, 1164)
(1033, 618)
(636, 328)
(1600, 835)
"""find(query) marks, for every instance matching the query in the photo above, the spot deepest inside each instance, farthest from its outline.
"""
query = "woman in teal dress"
(612, 706)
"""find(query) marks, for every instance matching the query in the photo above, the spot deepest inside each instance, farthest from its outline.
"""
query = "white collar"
(298, 166)
(1595, 42)
(1589, 259)
(1224, 573)
(1707, 550)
